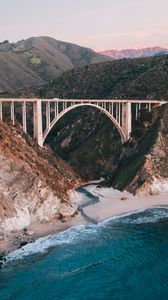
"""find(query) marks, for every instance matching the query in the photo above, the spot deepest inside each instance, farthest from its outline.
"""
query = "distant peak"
(135, 53)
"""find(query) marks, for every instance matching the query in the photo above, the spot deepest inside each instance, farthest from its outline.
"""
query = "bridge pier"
(24, 117)
(38, 127)
(12, 108)
(1, 113)
(48, 121)
(127, 119)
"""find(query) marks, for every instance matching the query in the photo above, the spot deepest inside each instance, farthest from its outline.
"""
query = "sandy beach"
(110, 204)
(35, 231)
(115, 203)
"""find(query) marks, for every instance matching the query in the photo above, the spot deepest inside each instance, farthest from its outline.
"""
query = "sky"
(97, 24)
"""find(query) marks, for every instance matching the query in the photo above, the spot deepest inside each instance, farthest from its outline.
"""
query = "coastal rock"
(152, 177)
(35, 185)
(124, 198)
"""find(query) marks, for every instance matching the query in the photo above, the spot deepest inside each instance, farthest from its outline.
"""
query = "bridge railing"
(45, 111)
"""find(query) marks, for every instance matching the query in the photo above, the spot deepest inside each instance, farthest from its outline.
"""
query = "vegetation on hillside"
(142, 78)
(88, 129)
(129, 166)
(85, 137)
(36, 61)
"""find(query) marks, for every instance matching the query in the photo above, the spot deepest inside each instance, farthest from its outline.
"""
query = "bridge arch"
(62, 113)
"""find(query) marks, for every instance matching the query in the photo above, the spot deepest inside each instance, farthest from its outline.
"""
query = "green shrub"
(126, 174)
(35, 60)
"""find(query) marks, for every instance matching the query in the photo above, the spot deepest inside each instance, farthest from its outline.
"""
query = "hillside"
(128, 79)
(78, 133)
(147, 171)
(135, 53)
(82, 130)
(37, 60)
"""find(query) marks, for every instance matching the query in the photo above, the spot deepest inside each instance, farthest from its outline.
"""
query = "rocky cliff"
(152, 176)
(35, 184)
(142, 163)
(123, 166)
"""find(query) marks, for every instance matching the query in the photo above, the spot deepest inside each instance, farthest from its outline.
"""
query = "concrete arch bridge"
(120, 112)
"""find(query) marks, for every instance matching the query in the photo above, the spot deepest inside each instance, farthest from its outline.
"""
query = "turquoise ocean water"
(123, 258)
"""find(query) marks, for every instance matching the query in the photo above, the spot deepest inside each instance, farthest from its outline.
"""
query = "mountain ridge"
(135, 53)
(37, 60)
(140, 78)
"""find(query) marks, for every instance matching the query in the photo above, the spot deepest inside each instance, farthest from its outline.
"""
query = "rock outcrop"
(35, 184)
(152, 177)
(143, 160)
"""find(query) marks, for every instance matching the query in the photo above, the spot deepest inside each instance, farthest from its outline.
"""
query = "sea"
(120, 258)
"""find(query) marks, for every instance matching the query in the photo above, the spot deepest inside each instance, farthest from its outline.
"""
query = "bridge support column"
(12, 109)
(38, 128)
(1, 113)
(47, 114)
(136, 111)
(127, 119)
(55, 109)
(150, 107)
(119, 114)
(24, 117)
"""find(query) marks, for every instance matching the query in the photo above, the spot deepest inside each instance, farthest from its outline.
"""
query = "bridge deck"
(84, 100)
(118, 110)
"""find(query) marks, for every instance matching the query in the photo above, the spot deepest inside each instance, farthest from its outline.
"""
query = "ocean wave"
(41, 245)
(151, 215)
(83, 232)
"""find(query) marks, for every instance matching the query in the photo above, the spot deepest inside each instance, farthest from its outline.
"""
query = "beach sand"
(114, 203)
(111, 203)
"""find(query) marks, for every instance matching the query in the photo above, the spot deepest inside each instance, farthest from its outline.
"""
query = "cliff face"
(35, 184)
(152, 177)
(143, 162)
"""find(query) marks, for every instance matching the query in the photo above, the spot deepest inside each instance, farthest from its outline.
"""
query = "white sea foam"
(41, 245)
(83, 232)
(76, 233)
(154, 215)
(127, 218)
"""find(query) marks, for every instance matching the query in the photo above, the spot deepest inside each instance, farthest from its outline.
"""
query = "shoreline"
(36, 231)
(14, 240)
(110, 204)
(114, 203)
